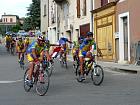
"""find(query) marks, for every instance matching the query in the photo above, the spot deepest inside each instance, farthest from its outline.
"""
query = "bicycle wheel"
(97, 75)
(65, 62)
(21, 63)
(42, 84)
(26, 87)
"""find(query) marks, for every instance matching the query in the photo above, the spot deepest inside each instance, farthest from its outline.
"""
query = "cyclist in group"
(48, 45)
(35, 52)
(75, 49)
(20, 48)
(13, 45)
(27, 41)
(84, 51)
(63, 43)
(8, 41)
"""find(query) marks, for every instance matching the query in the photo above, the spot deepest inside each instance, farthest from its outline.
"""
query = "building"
(116, 28)
(127, 26)
(8, 21)
(44, 15)
(69, 18)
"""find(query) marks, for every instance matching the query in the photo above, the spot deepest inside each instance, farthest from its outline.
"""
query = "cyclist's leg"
(30, 68)
(61, 53)
(65, 54)
(81, 59)
(22, 55)
(19, 54)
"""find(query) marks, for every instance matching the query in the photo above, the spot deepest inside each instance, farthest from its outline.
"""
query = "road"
(117, 88)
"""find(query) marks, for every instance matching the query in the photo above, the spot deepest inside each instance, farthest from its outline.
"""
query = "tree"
(27, 24)
(16, 28)
(33, 19)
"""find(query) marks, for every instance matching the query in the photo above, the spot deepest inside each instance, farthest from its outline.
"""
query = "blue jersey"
(63, 41)
(85, 46)
(34, 45)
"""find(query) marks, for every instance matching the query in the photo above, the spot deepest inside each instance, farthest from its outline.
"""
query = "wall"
(44, 19)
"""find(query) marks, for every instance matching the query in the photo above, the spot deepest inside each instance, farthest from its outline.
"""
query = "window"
(11, 20)
(78, 8)
(45, 10)
(84, 7)
(3, 19)
(104, 2)
(6, 20)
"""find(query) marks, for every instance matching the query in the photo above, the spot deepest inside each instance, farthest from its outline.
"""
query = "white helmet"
(40, 37)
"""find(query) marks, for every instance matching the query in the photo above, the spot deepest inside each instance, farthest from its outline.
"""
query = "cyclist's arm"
(54, 45)
(69, 41)
(46, 50)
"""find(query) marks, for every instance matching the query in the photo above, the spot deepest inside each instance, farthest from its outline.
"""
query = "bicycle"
(91, 66)
(12, 49)
(21, 62)
(40, 79)
(48, 65)
(76, 63)
(63, 60)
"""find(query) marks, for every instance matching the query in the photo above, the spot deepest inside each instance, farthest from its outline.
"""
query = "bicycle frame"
(40, 78)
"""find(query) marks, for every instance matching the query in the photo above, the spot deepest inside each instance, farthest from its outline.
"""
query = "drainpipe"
(91, 16)
(48, 13)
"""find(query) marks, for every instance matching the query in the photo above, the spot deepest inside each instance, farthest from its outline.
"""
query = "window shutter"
(78, 8)
(104, 2)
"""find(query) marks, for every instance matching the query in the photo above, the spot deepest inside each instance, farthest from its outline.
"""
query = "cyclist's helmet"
(20, 38)
(89, 34)
(47, 40)
(41, 38)
(81, 38)
(27, 38)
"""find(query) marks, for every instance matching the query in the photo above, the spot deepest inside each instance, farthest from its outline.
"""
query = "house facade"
(8, 21)
(127, 26)
(69, 18)
(116, 28)
(44, 15)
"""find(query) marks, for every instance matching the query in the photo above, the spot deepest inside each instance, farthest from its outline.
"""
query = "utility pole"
(91, 16)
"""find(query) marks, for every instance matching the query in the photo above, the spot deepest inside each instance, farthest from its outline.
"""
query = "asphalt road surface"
(117, 88)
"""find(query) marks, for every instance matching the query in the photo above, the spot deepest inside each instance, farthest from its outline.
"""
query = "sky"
(14, 7)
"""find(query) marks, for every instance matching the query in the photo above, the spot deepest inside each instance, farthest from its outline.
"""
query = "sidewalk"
(116, 66)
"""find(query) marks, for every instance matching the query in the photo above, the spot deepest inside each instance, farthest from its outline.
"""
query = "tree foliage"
(16, 28)
(33, 19)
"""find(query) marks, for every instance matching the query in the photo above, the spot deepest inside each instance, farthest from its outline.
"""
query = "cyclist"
(27, 41)
(20, 48)
(35, 53)
(13, 44)
(48, 45)
(8, 41)
(75, 49)
(63, 43)
(84, 51)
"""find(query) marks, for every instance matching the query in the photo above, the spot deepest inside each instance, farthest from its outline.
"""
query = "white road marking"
(10, 81)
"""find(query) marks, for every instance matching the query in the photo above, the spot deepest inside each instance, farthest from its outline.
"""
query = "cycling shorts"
(19, 50)
(30, 57)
